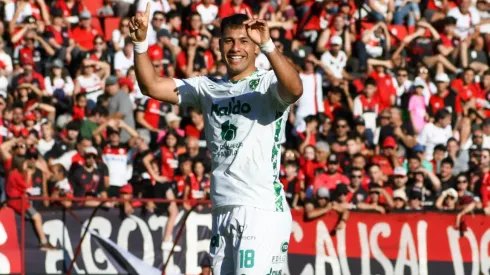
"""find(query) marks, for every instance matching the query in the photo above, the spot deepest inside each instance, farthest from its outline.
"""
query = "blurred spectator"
(62, 188)
(399, 200)
(120, 106)
(376, 192)
(447, 178)
(436, 133)
(323, 203)
(120, 34)
(356, 192)
(91, 81)
(331, 177)
(84, 33)
(294, 185)
(123, 59)
(17, 186)
(198, 185)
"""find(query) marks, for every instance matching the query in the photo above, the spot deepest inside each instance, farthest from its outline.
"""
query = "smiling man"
(244, 123)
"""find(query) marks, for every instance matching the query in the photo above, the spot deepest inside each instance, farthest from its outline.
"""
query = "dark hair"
(440, 147)
(442, 114)
(170, 132)
(60, 169)
(18, 163)
(468, 69)
(98, 36)
(81, 138)
(450, 21)
(291, 163)
(172, 14)
(448, 161)
(233, 22)
(80, 95)
(370, 81)
(355, 169)
(99, 110)
(195, 110)
(17, 105)
(158, 13)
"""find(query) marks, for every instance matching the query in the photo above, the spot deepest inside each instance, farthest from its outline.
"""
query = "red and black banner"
(404, 243)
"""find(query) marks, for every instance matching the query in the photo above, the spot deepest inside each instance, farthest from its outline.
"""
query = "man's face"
(112, 89)
(462, 183)
(342, 128)
(445, 121)
(477, 137)
(468, 77)
(334, 49)
(375, 174)
(355, 179)
(114, 138)
(90, 160)
(401, 76)
(369, 90)
(464, 6)
(84, 144)
(388, 151)
(238, 50)
(452, 147)
(415, 203)
(157, 21)
(359, 162)
(446, 170)
(321, 155)
(413, 164)
(399, 203)
(400, 181)
(85, 23)
(72, 135)
(352, 147)
(18, 116)
(176, 22)
(485, 158)
(196, 22)
(333, 167)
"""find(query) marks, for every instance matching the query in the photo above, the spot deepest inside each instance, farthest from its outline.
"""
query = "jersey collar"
(245, 78)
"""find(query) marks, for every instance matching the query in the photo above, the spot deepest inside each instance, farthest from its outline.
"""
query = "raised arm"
(290, 86)
(160, 88)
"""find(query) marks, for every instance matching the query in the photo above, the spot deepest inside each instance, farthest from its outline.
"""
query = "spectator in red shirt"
(197, 186)
(84, 34)
(191, 61)
(30, 76)
(374, 202)
(330, 178)
(466, 88)
(386, 91)
(389, 157)
(196, 129)
(231, 7)
(58, 34)
(445, 98)
(79, 110)
(18, 185)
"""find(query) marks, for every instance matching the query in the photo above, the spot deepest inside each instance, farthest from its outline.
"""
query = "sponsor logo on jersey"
(253, 84)
(274, 272)
(215, 240)
(234, 107)
(228, 131)
(279, 259)
(284, 247)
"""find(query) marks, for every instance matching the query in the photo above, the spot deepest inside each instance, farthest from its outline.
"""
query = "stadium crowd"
(395, 114)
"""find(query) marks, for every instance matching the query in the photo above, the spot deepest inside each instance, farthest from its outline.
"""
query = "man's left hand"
(257, 29)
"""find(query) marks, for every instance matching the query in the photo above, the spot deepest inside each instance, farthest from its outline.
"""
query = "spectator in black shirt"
(446, 176)
(401, 130)
(193, 152)
(338, 143)
(356, 192)
(321, 205)
(91, 179)
(294, 185)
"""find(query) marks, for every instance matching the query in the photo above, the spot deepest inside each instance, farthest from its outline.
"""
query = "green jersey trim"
(276, 150)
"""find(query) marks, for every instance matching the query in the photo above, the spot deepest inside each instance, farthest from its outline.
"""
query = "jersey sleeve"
(188, 90)
(271, 85)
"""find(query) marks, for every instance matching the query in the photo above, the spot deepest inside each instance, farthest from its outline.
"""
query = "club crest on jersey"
(233, 107)
(253, 84)
(228, 131)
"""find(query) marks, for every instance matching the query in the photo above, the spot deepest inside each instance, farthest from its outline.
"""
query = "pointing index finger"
(147, 10)
(249, 14)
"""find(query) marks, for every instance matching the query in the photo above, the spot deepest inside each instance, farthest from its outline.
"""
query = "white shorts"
(249, 241)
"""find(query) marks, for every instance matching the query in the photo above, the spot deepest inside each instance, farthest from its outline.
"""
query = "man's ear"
(257, 50)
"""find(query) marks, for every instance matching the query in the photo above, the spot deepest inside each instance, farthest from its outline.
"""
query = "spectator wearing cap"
(400, 199)
(124, 59)
(417, 107)
(374, 202)
(164, 50)
(323, 204)
(367, 105)
(435, 133)
(356, 192)
(173, 122)
(59, 84)
(399, 179)
(459, 199)
(90, 81)
(448, 180)
(120, 106)
(85, 33)
(311, 101)
(331, 177)
(126, 85)
(388, 159)
(334, 61)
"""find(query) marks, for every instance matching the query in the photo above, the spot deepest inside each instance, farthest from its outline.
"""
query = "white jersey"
(244, 126)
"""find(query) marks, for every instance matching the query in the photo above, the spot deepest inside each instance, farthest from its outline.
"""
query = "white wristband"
(268, 47)
(141, 47)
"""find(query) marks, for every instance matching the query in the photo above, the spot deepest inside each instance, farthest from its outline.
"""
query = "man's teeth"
(236, 57)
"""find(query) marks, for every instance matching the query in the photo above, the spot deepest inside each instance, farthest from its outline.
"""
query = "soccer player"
(244, 118)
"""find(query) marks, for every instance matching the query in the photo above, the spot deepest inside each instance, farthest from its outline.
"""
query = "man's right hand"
(138, 25)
